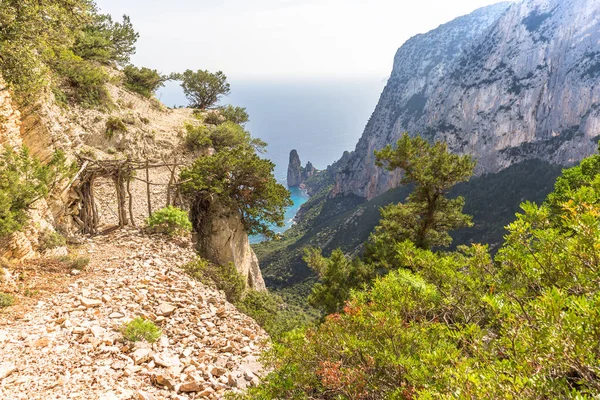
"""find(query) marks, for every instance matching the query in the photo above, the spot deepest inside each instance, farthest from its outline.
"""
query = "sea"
(320, 118)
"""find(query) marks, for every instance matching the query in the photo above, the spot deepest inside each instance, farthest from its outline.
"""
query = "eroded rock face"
(296, 174)
(226, 241)
(506, 83)
(10, 119)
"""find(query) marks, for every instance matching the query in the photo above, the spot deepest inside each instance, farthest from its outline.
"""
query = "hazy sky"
(281, 38)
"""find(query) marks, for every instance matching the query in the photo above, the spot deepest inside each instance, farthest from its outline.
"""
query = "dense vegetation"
(463, 323)
(62, 45)
(347, 223)
(23, 181)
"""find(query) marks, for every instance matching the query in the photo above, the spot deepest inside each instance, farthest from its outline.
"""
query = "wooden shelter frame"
(121, 172)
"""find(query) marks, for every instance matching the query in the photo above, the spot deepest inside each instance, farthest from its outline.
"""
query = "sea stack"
(296, 175)
(294, 172)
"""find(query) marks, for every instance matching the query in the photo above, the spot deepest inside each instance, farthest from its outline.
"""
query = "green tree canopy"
(202, 88)
(237, 179)
(427, 215)
(106, 41)
(338, 275)
(31, 34)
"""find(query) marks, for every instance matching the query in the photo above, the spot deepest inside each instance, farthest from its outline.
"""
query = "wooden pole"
(148, 189)
(130, 201)
(171, 179)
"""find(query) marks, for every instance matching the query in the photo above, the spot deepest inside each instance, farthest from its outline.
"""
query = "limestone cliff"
(223, 240)
(296, 174)
(10, 119)
(506, 83)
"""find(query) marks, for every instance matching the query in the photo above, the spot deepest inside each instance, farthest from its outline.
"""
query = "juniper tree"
(427, 215)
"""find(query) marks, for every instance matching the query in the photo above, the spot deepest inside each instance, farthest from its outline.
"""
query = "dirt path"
(68, 345)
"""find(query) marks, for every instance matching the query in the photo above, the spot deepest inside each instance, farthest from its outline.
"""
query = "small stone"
(89, 303)
(118, 365)
(6, 368)
(141, 395)
(165, 309)
(141, 355)
(218, 371)
(116, 315)
(166, 360)
(106, 298)
(231, 380)
(163, 380)
(98, 331)
(191, 386)
(41, 342)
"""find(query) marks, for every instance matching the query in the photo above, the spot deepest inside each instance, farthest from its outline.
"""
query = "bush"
(197, 137)
(114, 125)
(85, 82)
(237, 115)
(75, 263)
(171, 220)
(272, 313)
(107, 42)
(49, 239)
(144, 81)
(23, 181)
(213, 118)
(6, 300)
(225, 278)
(140, 329)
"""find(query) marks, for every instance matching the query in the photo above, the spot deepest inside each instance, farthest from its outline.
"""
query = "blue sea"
(320, 118)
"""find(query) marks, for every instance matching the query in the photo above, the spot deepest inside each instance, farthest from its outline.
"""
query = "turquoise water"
(299, 198)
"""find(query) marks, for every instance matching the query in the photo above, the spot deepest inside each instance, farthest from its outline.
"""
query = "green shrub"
(6, 300)
(197, 137)
(237, 115)
(463, 325)
(272, 313)
(225, 278)
(79, 262)
(49, 239)
(213, 118)
(144, 81)
(84, 81)
(114, 125)
(172, 220)
(140, 329)
(105, 41)
(24, 180)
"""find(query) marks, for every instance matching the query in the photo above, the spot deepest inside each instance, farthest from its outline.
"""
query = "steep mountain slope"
(346, 222)
(505, 85)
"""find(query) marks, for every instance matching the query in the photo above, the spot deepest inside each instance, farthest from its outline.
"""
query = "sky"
(267, 39)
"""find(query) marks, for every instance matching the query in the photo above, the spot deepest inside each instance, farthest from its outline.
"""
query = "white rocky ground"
(69, 345)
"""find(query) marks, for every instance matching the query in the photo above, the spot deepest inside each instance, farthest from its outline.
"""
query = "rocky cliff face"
(10, 119)
(296, 174)
(225, 241)
(507, 83)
